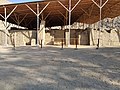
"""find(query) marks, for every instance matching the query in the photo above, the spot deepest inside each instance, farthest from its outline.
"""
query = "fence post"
(14, 40)
(41, 43)
(76, 42)
(98, 44)
(62, 44)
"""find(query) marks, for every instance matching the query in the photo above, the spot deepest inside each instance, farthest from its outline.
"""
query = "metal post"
(14, 40)
(98, 45)
(62, 44)
(76, 40)
(18, 22)
(41, 43)
(37, 33)
(69, 10)
(37, 14)
(69, 22)
(5, 26)
(76, 43)
(100, 6)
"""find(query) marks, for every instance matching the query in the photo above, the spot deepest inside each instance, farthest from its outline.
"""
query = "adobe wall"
(54, 37)
(23, 37)
(2, 39)
(106, 38)
(2, 34)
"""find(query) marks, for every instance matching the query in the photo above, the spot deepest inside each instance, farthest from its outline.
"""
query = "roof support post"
(62, 14)
(44, 8)
(31, 9)
(68, 43)
(23, 19)
(69, 9)
(25, 22)
(2, 16)
(6, 26)
(100, 18)
(17, 19)
(63, 6)
(75, 5)
(5, 10)
(99, 37)
(38, 23)
(47, 16)
(12, 11)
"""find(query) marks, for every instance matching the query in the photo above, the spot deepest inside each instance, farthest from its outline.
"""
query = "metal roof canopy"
(56, 12)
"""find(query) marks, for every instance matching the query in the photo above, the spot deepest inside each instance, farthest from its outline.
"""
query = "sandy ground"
(33, 68)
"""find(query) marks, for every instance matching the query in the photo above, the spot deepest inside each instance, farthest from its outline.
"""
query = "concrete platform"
(50, 68)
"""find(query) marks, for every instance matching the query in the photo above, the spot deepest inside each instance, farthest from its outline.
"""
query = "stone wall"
(54, 37)
(110, 38)
(2, 34)
(2, 39)
(49, 37)
(23, 37)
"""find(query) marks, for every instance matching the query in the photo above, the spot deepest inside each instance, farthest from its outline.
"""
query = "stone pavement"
(33, 68)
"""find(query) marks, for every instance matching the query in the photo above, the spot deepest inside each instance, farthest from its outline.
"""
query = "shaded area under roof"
(55, 15)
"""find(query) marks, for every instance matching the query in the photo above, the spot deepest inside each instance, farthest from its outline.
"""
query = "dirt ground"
(50, 68)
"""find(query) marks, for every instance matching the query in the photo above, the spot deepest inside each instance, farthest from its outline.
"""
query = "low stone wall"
(23, 37)
(2, 37)
(54, 37)
(49, 37)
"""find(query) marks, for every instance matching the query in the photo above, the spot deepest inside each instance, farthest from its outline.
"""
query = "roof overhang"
(86, 11)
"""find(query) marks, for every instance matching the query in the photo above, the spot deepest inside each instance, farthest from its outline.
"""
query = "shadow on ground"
(33, 68)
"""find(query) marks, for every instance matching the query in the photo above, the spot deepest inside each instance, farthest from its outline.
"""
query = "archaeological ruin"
(51, 22)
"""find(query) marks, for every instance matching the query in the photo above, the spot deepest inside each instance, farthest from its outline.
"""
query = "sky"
(19, 1)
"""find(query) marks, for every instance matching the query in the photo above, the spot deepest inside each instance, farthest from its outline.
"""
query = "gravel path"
(32, 68)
